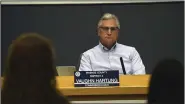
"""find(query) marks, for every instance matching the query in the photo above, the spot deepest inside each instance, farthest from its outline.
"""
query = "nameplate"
(96, 78)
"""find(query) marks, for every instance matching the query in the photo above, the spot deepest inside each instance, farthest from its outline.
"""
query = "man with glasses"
(110, 55)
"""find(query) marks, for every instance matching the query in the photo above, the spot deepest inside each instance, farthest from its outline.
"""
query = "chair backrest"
(66, 70)
(79, 60)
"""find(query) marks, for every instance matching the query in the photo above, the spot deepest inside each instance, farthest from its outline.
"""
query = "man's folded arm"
(137, 64)
(85, 64)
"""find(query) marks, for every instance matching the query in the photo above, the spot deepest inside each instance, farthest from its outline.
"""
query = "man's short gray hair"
(108, 16)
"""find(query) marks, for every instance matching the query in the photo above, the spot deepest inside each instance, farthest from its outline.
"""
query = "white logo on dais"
(77, 74)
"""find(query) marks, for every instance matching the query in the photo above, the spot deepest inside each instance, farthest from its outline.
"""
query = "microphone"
(123, 67)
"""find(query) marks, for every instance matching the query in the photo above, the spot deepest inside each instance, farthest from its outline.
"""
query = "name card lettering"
(96, 78)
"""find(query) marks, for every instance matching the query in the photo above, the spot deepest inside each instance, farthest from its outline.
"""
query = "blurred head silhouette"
(29, 76)
(167, 83)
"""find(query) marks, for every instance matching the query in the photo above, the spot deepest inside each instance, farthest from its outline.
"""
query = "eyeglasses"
(109, 28)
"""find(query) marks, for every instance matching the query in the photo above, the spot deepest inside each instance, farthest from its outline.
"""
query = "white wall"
(77, 1)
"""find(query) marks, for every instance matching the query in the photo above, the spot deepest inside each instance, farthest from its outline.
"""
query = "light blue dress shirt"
(100, 58)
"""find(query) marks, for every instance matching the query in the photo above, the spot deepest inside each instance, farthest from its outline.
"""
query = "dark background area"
(156, 30)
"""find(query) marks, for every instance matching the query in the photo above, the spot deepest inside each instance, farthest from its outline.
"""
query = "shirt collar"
(105, 48)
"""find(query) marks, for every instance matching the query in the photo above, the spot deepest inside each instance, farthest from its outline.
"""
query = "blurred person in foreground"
(29, 77)
(107, 54)
(167, 83)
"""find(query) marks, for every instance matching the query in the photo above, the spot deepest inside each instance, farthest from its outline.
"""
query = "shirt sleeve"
(85, 64)
(137, 64)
